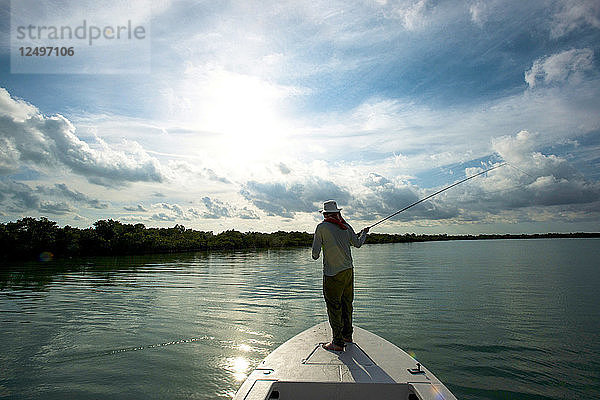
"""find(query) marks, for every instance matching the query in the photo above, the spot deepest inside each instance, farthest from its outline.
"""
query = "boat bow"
(371, 367)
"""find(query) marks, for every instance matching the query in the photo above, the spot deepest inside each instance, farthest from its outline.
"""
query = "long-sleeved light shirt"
(335, 243)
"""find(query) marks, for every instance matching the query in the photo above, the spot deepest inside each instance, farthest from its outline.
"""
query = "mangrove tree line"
(30, 237)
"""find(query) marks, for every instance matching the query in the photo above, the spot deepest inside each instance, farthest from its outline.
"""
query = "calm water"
(502, 319)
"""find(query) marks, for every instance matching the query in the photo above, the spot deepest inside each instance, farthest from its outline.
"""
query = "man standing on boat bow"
(335, 237)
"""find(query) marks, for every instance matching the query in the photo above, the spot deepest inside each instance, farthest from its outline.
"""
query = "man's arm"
(358, 240)
(316, 246)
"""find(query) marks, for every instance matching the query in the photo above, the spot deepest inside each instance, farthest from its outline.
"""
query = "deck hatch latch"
(417, 370)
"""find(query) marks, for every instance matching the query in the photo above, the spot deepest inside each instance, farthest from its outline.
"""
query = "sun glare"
(239, 366)
(244, 110)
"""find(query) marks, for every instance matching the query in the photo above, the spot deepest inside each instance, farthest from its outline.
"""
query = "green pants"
(338, 291)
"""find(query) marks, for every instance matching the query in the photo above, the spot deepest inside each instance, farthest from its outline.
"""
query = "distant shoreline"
(31, 238)
(411, 237)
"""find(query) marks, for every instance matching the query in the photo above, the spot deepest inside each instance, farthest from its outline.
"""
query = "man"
(335, 237)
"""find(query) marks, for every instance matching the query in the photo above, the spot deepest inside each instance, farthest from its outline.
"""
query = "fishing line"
(506, 190)
(513, 188)
(436, 193)
(520, 170)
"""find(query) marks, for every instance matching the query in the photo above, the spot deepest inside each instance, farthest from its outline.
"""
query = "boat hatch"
(335, 391)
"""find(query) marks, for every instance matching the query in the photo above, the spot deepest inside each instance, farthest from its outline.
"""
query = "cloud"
(412, 14)
(246, 213)
(169, 212)
(286, 199)
(18, 196)
(139, 208)
(174, 208)
(178, 167)
(30, 138)
(381, 197)
(163, 217)
(61, 190)
(550, 190)
(59, 208)
(357, 91)
(216, 209)
(284, 169)
(16, 109)
(534, 180)
(21, 198)
(479, 11)
(531, 188)
(549, 181)
(520, 150)
(210, 209)
(560, 67)
(509, 192)
(575, 14)
(214, 177)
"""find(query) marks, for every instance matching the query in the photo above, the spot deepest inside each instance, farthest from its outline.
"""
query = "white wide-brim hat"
(330, 206)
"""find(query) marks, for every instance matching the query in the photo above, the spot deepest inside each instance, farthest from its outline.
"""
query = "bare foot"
(332, 347)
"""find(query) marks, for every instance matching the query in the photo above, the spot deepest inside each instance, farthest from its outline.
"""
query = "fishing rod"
(436, 193)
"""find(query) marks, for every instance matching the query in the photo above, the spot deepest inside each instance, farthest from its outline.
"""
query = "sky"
(248, 115)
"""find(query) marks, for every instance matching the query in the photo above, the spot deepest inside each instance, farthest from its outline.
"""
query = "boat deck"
(371, 367)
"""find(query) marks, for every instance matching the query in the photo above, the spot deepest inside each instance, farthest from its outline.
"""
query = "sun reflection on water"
(238, 366)
(245, 348)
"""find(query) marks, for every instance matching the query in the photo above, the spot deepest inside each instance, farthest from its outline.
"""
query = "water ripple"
(489, 318)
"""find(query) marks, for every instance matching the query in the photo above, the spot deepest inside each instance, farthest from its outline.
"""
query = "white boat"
(369, 368)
